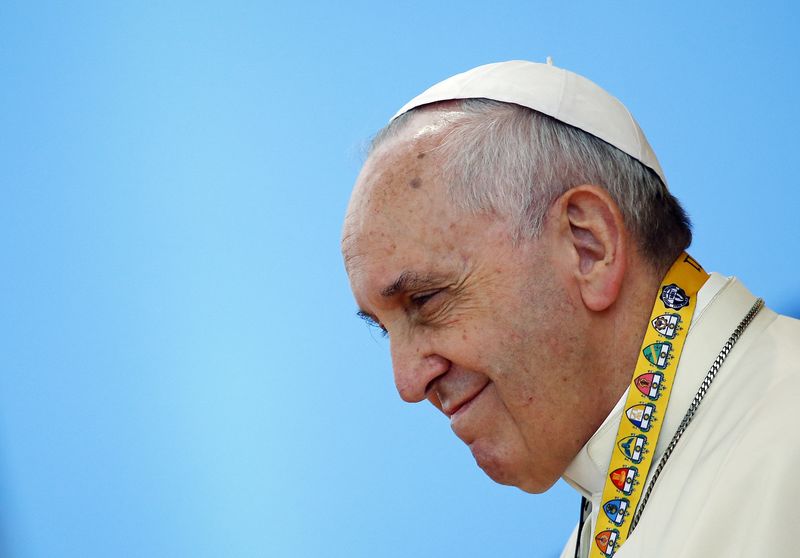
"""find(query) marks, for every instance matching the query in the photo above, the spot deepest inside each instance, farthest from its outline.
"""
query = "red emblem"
(606, 541)
(624, 479)
(644, 382)
(649, 384)
(602, 540)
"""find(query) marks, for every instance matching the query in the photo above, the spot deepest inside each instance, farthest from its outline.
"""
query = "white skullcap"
(556, 92)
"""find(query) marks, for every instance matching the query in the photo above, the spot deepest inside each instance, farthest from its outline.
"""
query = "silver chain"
(698, 398)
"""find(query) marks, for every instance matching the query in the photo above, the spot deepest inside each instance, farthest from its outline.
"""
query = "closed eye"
(420, 299)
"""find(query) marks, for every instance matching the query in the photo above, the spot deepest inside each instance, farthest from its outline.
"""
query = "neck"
(618, 336)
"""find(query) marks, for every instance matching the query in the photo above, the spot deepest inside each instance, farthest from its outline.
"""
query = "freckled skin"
(505, 329)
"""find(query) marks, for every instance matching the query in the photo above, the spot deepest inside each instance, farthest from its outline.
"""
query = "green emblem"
(658, 354)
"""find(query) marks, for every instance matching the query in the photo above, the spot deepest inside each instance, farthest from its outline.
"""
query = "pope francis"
(512, 233)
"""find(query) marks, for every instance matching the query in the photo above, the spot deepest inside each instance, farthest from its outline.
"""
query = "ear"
(594, 242)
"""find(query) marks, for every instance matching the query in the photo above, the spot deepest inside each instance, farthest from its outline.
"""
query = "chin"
(537, 486)
(510, 469)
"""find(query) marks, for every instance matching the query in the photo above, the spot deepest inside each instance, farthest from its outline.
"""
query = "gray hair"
(517, 161)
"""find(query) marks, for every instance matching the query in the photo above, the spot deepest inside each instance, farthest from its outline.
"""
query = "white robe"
(732, 484)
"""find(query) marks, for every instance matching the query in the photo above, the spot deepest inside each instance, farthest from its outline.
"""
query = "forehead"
(401, 217)
(399, 209)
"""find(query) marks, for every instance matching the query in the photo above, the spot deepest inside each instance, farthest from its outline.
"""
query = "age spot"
(415, 182)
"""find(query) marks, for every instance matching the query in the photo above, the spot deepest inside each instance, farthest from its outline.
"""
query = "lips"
(461, 406)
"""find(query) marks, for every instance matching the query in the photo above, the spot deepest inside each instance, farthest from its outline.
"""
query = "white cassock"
(732, 486)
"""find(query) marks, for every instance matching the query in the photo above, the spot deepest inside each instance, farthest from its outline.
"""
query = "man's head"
(508, 254)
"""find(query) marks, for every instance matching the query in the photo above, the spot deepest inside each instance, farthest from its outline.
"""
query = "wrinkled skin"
(506, 338)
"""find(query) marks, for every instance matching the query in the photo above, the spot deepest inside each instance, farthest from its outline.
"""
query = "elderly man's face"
(478, 325)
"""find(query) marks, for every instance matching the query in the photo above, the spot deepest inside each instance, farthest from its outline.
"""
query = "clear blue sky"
(181, 370)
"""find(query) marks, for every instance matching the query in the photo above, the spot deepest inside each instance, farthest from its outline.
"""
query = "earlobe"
(595, 235)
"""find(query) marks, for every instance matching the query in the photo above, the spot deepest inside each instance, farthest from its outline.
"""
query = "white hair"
(516, 161)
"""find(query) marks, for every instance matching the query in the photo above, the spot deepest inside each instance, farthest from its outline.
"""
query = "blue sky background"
(181, 370)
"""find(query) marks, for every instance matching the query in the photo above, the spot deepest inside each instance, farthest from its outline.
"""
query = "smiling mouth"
(464, 406)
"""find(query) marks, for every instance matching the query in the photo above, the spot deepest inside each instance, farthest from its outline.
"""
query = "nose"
(415, 368)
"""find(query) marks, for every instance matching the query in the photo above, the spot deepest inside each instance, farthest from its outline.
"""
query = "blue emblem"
(674, 297)
(617, 510)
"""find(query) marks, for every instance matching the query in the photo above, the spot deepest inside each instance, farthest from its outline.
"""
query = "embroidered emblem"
(606, 541)
(641, 415)
(658, 353)
(674, 297)
(650, 384)
(616, 510)
(632, 447)
(624, 479)
(667, 324)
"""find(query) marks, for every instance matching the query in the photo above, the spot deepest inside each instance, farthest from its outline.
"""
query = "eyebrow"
(409, 280)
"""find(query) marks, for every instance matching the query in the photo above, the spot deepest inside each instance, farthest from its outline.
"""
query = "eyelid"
(420, 299)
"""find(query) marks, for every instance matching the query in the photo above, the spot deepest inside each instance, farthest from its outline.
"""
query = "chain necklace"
(692, 410)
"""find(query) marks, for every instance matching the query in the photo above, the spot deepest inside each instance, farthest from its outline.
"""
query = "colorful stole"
(648, 397)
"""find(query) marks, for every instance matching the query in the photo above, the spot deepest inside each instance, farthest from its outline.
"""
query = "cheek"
(532, 361)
